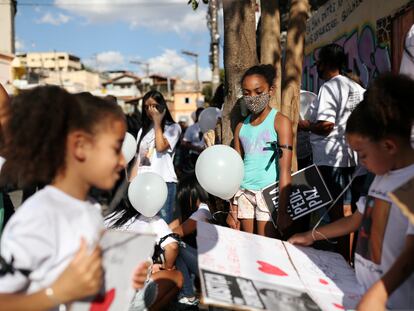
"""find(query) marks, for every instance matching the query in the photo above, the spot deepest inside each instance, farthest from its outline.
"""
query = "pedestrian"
(264, 140)
(157, 141)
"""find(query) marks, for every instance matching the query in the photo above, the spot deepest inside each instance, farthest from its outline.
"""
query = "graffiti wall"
(362, 27)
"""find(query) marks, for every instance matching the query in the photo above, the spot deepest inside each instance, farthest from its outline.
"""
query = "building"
(45, 62)
(186, 100)
(75, 81)
(372, 33)
(6, 77)
(7, 32)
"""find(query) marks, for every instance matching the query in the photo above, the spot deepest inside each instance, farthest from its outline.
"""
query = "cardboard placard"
(122, 251)
(308, 193)
(243, 271)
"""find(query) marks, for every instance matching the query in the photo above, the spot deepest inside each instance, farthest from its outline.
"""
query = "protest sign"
(308, 193)
(122, 251)
(403, 198)
(244, 271)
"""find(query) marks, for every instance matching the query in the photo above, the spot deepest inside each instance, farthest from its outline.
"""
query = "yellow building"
(186, 100)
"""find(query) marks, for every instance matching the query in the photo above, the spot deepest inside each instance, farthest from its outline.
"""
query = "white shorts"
(251, 205)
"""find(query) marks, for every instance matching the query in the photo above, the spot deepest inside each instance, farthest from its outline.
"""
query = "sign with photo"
(122, 252)
(243, 271)
(403, 198)
(308, 193)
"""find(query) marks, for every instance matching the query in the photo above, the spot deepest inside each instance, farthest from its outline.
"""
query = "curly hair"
(36, 133)
(386, 109)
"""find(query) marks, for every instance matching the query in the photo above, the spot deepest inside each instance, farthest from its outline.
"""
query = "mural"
(365, 58)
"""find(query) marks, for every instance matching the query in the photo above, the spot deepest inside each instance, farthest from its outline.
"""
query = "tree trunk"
(239, 55)
(295, 44)
(270, 48)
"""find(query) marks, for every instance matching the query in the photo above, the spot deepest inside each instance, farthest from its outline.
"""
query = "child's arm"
(376, 297)
(232, 220)
(82, 278)
(283, 127)
(186, 228)
(171, 253)
(338, 228)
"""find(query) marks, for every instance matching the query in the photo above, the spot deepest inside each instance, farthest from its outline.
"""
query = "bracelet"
(50, 293)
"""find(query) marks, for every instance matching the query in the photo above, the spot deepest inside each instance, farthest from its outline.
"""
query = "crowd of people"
(70, 145)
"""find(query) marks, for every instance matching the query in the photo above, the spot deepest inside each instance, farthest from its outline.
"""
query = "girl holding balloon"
(157, 142)
(264, 140)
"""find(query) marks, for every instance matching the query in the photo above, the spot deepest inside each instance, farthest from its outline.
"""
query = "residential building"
(75, 81)
(7, 31)
(186, 100)
(6, 78)
(45, 62)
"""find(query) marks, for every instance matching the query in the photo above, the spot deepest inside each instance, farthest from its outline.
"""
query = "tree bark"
(239, 55)
(295, 45)
(270, 47)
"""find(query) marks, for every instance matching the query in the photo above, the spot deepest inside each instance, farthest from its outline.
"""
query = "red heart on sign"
(270, 269)
(341, 307)
(102, 303)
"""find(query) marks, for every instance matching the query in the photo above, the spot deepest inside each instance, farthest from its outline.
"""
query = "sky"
(108, 34)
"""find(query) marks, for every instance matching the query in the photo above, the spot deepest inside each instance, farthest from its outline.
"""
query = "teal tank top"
(261, 164)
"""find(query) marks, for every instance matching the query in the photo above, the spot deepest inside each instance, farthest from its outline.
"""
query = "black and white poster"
(308, 193)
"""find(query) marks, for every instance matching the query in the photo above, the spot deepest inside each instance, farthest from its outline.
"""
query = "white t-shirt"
(202, 213)
(337, 98)
(43, 236)
(382, 236)
(160, 163)
(142, 224)
(192, 135)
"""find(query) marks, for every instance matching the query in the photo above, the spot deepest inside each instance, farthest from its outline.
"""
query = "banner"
(239, 270)
(308, 193)
(122, 252)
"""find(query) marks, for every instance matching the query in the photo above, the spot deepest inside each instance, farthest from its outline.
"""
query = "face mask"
(258, 103)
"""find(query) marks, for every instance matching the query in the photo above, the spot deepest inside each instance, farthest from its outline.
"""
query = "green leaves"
(194, 4)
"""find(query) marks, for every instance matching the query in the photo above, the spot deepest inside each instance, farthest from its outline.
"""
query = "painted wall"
(361, 27)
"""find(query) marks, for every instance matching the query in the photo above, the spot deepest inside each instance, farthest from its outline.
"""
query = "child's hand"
(82, 277)
(140, 275)
(304, 239)
(156, 268)
(283, 221)
(156, 115)
(232, 221)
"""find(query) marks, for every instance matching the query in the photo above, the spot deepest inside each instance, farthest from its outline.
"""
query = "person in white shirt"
(157, 141)
(70, 143)
(379, 131)
(337, 97)
(193, 141)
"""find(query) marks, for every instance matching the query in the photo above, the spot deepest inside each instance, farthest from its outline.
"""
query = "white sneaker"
(190, 301)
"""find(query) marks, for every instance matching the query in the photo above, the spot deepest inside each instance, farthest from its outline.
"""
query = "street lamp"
(195, 55)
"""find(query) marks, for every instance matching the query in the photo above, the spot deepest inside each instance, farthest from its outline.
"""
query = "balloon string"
(330, 207)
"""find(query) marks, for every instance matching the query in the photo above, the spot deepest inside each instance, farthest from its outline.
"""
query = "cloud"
(108, 60)
(54, 19)
(19, 44)
(160, 15)
(170, 63)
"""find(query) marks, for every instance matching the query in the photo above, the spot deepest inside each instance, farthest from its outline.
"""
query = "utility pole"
(147, 71)
(195, 56)
(214, 45)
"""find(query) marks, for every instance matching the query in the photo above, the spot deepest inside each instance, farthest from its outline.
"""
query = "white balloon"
(220, 170)
(147, 193)
(208, 119)
(129, 147)
(306, 99)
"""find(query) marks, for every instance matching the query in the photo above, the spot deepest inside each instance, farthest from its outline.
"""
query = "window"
(186, 100)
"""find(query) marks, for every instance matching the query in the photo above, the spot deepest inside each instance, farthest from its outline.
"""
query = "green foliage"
(208, 93)
(195, 3)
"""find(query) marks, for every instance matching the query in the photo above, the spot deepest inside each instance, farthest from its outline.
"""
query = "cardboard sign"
(122, 252)
(403, 198)
(308, 193)
(239, 270)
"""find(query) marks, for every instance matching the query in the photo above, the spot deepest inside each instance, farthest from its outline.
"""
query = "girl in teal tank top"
(256, 139)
